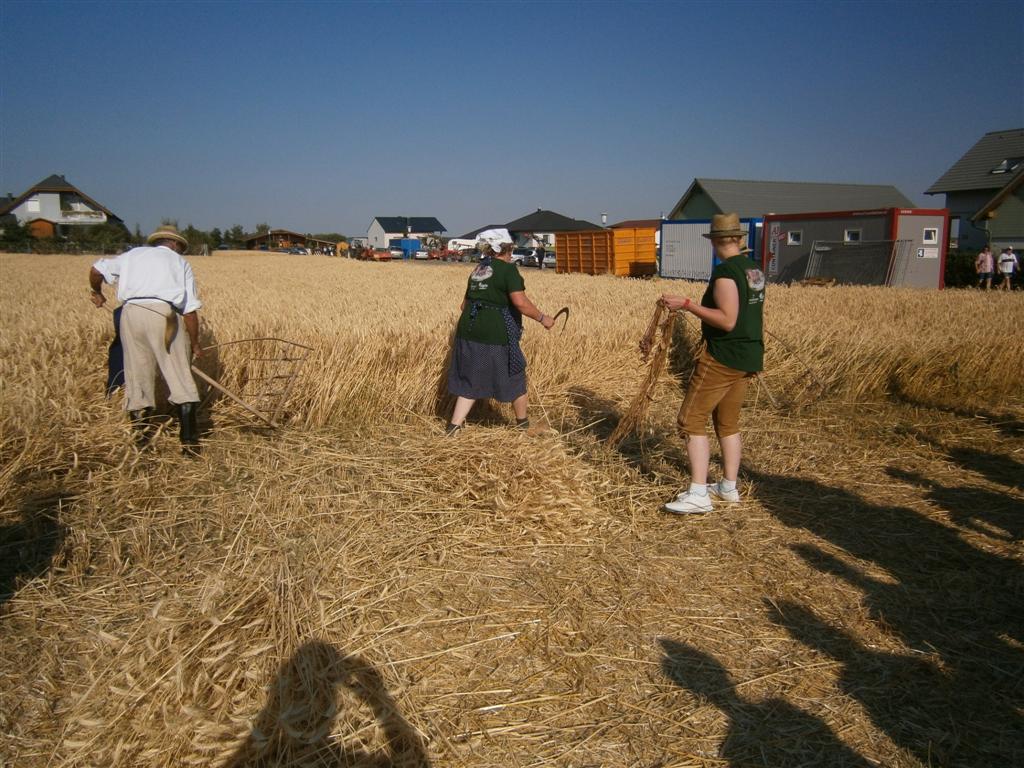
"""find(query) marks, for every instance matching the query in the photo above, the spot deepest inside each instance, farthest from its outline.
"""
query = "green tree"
(262, 229)
(109, 237)
(15, 237)
(235, 235)
(197, 238)
(216, 238)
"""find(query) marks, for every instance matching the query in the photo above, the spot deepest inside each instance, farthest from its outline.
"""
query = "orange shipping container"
(622, 252)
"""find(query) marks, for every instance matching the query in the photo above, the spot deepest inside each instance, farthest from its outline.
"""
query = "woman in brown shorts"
(731, 326)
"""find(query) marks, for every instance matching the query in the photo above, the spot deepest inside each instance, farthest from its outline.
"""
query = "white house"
(384, 229)
(53, 205)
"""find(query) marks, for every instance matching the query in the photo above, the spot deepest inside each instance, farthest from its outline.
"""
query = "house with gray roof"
(753, 199)
(539, 227)
(384, 229)
(984, 192)
(54, 206)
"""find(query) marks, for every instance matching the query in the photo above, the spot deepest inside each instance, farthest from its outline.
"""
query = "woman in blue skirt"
(486, 358)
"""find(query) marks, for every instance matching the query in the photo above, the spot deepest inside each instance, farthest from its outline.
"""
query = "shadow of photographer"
(27, 547)
(313, 691)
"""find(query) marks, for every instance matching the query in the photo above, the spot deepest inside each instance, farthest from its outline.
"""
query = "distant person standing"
(158, 294)
(541, 253)
(1008, 264)
(984, 266)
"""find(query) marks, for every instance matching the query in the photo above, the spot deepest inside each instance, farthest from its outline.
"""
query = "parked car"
(396, 253)
(533, 261)
(520, 255)
(421, 255)
(223, 247)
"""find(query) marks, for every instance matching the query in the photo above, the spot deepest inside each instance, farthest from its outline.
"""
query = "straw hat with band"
(727, 225)
(167, 232)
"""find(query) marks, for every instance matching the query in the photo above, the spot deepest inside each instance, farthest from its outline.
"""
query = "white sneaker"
(690, 504)
(716, 491)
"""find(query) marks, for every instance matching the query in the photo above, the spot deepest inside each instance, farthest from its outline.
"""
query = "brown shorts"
(717, 390)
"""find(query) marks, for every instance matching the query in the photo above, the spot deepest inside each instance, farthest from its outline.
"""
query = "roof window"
(1009, 165)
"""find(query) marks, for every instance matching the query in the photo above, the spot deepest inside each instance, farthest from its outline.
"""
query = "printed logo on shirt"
(755, 279)
(481, 273)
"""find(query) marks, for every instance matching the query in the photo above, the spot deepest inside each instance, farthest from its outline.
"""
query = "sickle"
(559, 313)
(170, 331)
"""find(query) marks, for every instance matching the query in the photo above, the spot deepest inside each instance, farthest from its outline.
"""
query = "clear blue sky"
(318, 116)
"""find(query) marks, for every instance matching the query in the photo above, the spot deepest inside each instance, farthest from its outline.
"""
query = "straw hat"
(167, 232)
(726, 225)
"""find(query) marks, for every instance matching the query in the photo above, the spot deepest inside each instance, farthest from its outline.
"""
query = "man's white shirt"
(152, 272)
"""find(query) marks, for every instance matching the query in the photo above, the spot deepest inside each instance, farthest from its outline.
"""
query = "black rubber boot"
(143, 426)
(522, 423)
(452, 429)
(189, 433)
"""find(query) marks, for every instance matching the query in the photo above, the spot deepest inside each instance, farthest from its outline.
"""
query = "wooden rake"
(266, 376)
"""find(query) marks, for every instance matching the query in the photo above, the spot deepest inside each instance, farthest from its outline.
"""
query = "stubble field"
(354, 589)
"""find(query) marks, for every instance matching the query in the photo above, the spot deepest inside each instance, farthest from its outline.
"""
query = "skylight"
(1009, 165)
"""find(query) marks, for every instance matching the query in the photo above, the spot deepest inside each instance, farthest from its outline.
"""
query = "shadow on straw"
(765, 732)
(645, 453)
(976, 508)
(1008, 425)
(27, 547)
(943, 598)
(212, 365)
(297, 723)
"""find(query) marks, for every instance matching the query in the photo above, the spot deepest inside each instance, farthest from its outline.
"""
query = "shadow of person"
(444, 402)
(599, 415)
(943, 596)
(313, 690)
(27, 547)
(1009, 426)
(765, 733)
(909, 698)
(212, 365)
(970, 507)
(645, 451)
(995, 467)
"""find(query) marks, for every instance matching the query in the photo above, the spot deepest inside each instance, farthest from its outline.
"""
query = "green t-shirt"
(490, 284)
(742, 348)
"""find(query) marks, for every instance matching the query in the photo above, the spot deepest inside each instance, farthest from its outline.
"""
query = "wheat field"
(354, 589)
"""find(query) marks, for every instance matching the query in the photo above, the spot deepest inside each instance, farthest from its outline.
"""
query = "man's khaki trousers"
(142, 336)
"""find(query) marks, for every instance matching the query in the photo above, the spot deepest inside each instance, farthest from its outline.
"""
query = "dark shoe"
(143, 426)
(189, 434)
(452, 429)
(522, 424)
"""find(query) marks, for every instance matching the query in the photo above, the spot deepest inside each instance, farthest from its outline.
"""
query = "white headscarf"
(495, 238)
